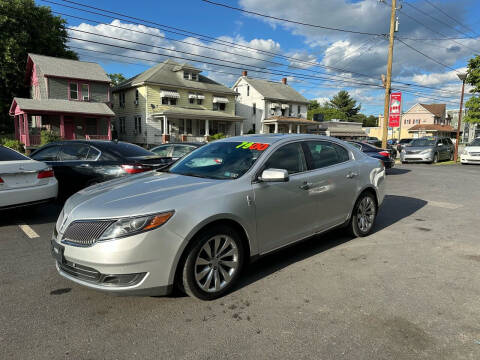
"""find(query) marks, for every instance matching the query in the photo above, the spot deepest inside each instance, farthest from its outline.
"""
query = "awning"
(169, 94)
(192, 96)
(220, 100)
(285, 106)
(200, 96)
(274, 105)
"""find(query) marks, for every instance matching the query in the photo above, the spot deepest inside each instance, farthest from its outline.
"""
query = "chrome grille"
(85, 233)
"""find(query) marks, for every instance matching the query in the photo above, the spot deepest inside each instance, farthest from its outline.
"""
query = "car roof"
(182, 143)
(275, 138)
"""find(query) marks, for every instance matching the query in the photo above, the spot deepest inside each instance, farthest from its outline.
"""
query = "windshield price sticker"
(252, 146)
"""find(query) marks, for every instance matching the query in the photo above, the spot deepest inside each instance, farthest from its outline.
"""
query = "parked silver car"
(428, 149)
(197, 224)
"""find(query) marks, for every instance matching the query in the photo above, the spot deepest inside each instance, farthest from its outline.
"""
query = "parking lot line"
(444, 205)
(28, 231)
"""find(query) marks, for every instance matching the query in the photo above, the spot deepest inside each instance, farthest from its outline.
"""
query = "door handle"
(84, 165)
(305, 186)
(351, 175)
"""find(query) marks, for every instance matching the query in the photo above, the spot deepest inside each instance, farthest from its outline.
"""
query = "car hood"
(472, 148)
(136, 195)
(418, 148)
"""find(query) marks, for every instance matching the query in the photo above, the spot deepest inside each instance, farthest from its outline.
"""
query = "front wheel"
(213, 264)
(363, 216)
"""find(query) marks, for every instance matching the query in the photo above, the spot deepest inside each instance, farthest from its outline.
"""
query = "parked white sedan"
(471, 154)
(24, 181)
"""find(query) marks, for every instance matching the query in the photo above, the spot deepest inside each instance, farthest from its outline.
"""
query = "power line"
(288, 20)
(222, 42)
(428, 57)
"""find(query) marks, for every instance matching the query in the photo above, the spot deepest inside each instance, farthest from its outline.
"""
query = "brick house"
(68, 97)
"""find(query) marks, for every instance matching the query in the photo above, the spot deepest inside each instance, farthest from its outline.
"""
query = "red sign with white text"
(395, 109)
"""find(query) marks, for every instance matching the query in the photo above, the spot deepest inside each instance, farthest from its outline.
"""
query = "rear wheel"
(213, 264)
(363, 216)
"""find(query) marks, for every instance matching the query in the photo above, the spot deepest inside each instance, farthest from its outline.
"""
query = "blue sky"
(317, 50)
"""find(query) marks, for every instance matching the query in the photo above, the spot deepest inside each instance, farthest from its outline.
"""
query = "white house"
(270, 107)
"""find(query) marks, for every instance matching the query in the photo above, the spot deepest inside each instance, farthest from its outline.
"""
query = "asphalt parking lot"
(408, 291)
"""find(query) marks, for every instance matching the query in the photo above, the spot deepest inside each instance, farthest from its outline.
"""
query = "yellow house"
(173, 102)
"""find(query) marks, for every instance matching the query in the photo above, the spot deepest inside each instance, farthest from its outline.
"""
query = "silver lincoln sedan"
(198, 223)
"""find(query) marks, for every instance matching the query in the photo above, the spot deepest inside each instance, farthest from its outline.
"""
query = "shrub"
(13, 144)
(217, 136)
(47, 136)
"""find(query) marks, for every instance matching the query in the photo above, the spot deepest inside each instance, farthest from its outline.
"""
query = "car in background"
(375, 152)
(428, 149)
(176, 150)
(378, 143)
(24, 181)
(402, 143)
(471, 153)
(81, 163)
(196, 224)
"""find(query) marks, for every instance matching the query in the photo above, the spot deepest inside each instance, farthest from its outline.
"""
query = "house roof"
(289, 120)
(432, 127)
(182, 112)
(436, 109)
(74, 69)
(61, 106)
(165, 74)
(276, 90)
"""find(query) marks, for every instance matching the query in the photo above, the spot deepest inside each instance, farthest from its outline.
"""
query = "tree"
(313, 104)
(370, 121)
(473, 78)
(328, 113)
(25, 28)
(116, 78)
(346, 104)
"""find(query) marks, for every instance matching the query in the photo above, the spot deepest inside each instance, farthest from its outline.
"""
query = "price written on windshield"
(252, 146)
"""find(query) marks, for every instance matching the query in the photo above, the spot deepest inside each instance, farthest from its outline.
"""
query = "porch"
(286, 125)
(31, 119)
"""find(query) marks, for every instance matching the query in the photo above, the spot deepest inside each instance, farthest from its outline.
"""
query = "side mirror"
(274, 175)
(439, 144)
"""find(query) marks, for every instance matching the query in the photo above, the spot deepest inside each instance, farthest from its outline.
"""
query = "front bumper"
(416, 157)
(142, 264)
(470, 159)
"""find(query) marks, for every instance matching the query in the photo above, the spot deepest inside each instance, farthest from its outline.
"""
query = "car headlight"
(403, 151)
(425, 151)
(465, 152)
(130, 226)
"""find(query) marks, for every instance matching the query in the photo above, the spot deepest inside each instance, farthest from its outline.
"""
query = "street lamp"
(462, 77)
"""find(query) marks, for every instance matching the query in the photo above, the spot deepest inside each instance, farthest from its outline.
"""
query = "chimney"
(244, 73)
(284, 81)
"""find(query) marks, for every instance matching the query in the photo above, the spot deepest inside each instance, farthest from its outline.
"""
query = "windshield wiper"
(195, 175)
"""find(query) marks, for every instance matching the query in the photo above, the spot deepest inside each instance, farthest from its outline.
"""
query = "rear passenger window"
(289, 157)
(324, 153)
(71, 152)
(48, 154)
(93, 154)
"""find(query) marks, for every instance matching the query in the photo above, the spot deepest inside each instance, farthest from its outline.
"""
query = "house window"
(254, 108)
(191, 98)
(194, 77)
(121, 98)
(73, 91)
(188, 124)
(138, 124)
(218, 106)
(169, 101)
(283, 112)
(299, 112)
(290, 110)
(186, 75)
(253, 128)
(136, 96)
(200, 99)
(85, 92)
(122, 125)
(248, 90)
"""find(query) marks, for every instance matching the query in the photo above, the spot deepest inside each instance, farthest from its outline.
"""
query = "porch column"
(290, 128)
(298, 129)
(27, 135)
(276, 128)
(207, 128)
(17, 132)
(165, 135)
(241, 128)
(184, 126)
(62, 127)
(109, 129)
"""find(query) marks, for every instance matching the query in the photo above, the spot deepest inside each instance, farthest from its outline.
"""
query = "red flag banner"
(395, 109)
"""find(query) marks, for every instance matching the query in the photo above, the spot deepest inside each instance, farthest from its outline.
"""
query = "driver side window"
(289, 157)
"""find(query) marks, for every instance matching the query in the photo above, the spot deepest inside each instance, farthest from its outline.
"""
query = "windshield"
(422, 142)
(220, 160)
(475, 142)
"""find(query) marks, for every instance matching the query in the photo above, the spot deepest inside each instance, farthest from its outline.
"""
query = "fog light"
(123, 279)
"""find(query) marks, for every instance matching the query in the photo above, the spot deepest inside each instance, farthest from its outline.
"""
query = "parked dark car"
(402, 143)
(378, 144)
(80, 163)
(176, 150)
(376, 152)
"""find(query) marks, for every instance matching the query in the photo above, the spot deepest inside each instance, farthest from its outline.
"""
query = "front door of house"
(69, 126)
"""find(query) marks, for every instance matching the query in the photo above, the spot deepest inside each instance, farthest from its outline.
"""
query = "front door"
(285, 210)
(69, 126)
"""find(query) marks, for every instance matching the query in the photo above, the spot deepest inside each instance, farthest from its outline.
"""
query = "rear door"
(73, 169)
(334, 181)
(286, 211)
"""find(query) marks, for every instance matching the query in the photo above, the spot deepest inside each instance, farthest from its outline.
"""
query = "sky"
(436, 38)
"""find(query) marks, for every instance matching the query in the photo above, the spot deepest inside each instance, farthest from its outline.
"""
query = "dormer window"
(194, 77)
(85, 92)
(186, 75)
(190, 76)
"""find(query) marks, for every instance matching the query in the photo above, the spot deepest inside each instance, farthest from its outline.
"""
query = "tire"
(213, 264)
(404, 162)
(435, 158)
(364, 213)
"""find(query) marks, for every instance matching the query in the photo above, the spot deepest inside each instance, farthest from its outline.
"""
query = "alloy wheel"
(365, 214)
(216, 263)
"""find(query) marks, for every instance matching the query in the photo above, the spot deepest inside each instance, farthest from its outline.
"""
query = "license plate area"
(57, 251)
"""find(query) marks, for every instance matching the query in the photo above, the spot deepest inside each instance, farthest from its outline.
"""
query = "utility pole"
(388, 81)
(462, 77)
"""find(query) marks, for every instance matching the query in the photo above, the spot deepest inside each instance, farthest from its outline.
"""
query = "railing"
(96, 137)
(35, 140)
(31, 140)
